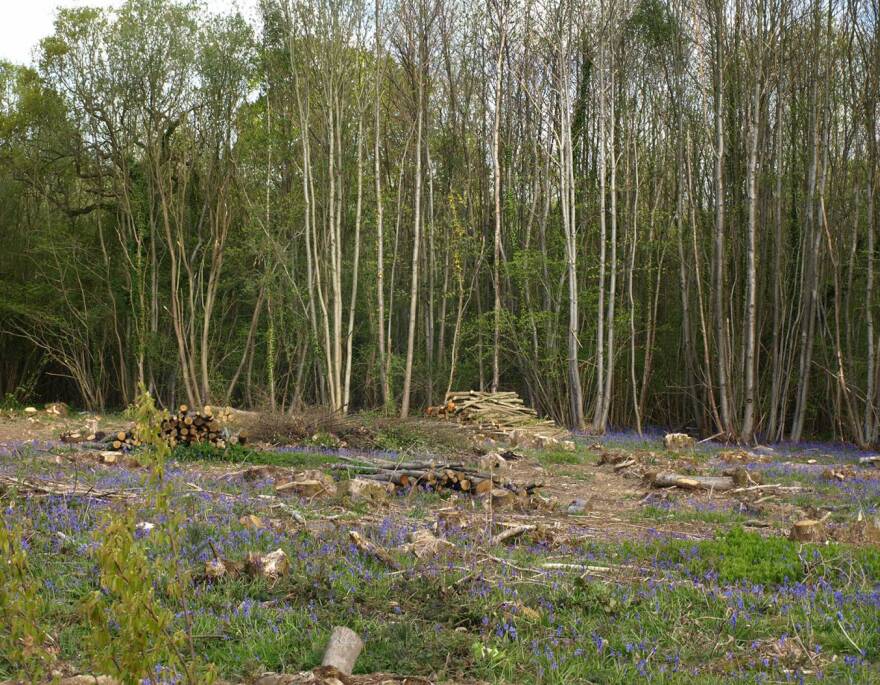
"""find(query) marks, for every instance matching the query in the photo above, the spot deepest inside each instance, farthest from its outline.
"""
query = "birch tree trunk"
(417, 218)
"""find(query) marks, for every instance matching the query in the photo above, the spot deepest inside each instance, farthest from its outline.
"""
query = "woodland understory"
(632, 212)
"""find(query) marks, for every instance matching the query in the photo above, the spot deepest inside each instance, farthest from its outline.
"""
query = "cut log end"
(342, 650)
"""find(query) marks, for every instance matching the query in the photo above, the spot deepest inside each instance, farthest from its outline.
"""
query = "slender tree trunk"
(380, 206)
(496, 165)
(748, 424)
(417, 217)
(721, 338)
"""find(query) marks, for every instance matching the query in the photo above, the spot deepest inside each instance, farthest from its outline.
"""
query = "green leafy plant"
(134, 633)
(24, 643)
(238, 454)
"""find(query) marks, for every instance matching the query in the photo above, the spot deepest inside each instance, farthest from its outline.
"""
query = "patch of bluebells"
(652, 436)
(335, 451)
(331, 571)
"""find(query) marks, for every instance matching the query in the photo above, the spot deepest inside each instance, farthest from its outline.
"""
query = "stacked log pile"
(74, 437)
(447, 476)
(186, 427)
(125, 440)
(500, 414)
(207, 426)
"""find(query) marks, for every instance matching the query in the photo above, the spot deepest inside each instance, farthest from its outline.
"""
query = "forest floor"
(615, 581)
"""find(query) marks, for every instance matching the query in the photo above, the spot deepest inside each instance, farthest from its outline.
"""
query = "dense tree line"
(631, 211)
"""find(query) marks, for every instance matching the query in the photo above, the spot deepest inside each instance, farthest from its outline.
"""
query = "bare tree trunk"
(600, 309)
(612, 285)
(776, 420)
(718, 271)
(417, 217)
(352, 305)
(380, 226)
(496, 162)
(810, 283)
(632, 303)
(748, 425)
(567, 188)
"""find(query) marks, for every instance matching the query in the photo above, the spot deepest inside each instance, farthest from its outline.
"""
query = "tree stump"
(807, 530)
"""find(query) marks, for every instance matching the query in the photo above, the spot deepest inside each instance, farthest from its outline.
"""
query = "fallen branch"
(768, 486)
(47, 488)
(368, 547)
(511, 533)
(557, 566)
(668, 479)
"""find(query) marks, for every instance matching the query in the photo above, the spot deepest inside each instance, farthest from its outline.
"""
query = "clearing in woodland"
(453, 558)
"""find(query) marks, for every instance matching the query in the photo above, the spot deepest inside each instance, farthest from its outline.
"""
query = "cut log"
(372, 549)
(303, 488)
(425, 545)
(483, 486)
(366, 490)
(270, 566)
(511, 533)
(678, 441)
(108, 457)
(343, 650)
(668, 479)
(57, 409)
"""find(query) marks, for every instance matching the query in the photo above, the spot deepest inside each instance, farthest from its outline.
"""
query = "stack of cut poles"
(491, 410)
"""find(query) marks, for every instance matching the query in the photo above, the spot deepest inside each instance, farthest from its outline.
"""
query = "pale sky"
(24, 22)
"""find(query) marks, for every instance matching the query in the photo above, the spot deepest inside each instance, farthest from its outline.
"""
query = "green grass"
(463, 620)
(690, 516)
(239, 454)
(670, 611)
(738, 556)
(558, 456)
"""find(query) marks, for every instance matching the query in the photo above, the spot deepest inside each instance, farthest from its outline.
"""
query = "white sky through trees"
(25, 22)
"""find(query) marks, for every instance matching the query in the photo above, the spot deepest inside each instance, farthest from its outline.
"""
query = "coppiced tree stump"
(807, 530)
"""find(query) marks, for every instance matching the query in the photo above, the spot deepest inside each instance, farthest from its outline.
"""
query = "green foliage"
(653, 23)
(134, 634)
(688, 515)
(323, 439)
(557, 455)
(148, 428)
(738, 555)
(399, 437)
(11, 403)
(240, 454)
(599, 598)
(23, 637)
(203, 451)
(418, 436)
